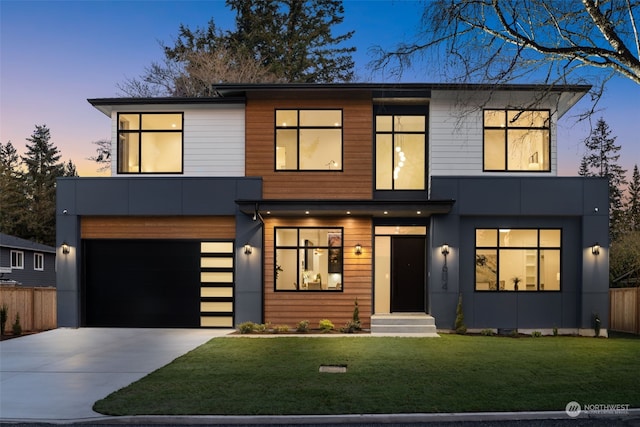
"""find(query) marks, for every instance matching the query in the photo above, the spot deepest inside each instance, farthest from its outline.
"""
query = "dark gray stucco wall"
(568, 203)
(158, 196)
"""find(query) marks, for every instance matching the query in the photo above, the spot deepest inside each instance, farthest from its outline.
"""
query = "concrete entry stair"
(403, 325)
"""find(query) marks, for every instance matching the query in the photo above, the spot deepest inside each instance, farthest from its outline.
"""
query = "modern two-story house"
(282, 203)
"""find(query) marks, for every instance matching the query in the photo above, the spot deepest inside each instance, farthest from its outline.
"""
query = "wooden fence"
(624, 310)
(37, 307)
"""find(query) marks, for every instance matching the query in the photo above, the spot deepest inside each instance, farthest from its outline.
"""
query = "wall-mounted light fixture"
(444, 249)
(65, 248)
(248, 250)
(595, 249)
(358, 249)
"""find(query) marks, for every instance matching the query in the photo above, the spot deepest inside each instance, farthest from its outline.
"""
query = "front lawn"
(277, 376)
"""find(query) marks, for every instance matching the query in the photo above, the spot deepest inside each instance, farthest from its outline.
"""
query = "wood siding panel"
(456, 131)
(222, 227)
(355, 181)
(288, 308)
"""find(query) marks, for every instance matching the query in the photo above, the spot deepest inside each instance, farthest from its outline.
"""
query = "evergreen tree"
(42, 168)
(601, 160)
(633, 205)
(12, 195)
(69, 169)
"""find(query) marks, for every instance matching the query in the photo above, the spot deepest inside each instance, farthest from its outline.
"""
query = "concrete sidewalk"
(59, 374)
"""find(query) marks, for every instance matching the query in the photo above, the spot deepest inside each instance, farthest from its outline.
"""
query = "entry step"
(404, 324)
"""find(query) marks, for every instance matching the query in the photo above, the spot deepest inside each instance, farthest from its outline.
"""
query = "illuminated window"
(308, 259)
(150, 143)
(400, 152)
(309, 140)
(516, 140)
(518, 259)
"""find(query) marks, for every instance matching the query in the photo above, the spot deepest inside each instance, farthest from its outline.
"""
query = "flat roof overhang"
(326, 208)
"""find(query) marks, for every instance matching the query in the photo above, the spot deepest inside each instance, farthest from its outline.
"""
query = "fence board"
(36, 306)
(624, 310)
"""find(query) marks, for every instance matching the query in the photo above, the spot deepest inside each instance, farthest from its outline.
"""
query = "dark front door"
(408, 273)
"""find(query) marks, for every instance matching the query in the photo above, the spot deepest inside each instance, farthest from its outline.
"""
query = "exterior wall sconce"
(595, 249)
(358, 249)
(248, 250)
(444, 249)
(65, 248)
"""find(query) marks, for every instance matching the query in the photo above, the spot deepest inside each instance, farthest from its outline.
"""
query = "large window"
(149, 142)
(516, 140)
(308, 259)
(17, 260)
(309, 140)
(400, 152)
(518, 259)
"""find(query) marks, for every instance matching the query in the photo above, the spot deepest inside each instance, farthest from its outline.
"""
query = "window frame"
(298, 248)
(38, 261)
(19, 256)
(297, 128)
(394, 111)
(499, 248)
(140, 132)
(506, 129)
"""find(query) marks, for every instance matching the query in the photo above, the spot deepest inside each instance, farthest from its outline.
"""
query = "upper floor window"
(518, 259)
(308, 259)
(150, 142)
(38, 261)
(309, 140)
(400, 152)
(517, 140)
(17, 260)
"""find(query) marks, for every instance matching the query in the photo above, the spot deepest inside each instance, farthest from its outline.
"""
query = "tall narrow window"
(518, 259)
(38, 261)
(309, 140)
(517, 140)
(17, 260)
(150, 142)
(400, 149)
(308, 259)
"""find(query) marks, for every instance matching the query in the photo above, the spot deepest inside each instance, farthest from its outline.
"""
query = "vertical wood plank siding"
(355, 181)
(184, 227)
(288, 308)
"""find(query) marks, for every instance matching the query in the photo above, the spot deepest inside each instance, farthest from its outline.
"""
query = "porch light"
(65, 248)
(248, 250)
(444, 249)
(358, 249)
(595, 249)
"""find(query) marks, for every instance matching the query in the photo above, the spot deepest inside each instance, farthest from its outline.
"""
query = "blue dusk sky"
(56, 54)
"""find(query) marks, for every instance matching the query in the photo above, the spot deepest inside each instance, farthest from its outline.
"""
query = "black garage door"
(141, 283)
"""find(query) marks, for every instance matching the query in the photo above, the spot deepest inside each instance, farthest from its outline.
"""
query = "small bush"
(326, 325)
(460, 327)
(555, 331)
(246, 327)
(17, 328)
(487, 332)
(278, 329)
(350, 327)
(514, 333)
(4, 313)
(356, 316)
(262, 327)
(302, 326)
(536, 334)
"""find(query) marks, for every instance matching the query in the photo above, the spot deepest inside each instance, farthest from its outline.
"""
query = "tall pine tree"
(42, 163)
(12, 194)
(633, 205)
(601, 159)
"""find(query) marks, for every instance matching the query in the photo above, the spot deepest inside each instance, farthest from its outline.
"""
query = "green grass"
(276, 376)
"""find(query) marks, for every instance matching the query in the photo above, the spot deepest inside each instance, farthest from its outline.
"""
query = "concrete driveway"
(59, 374)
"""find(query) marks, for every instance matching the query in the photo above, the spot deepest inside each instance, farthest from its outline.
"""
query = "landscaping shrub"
(350, 327)
(326, 325)
(536, 334)
(461, 328)
(17, 328)
(280, 329)
(246, 327)
(303, 326)
(487, 332)
(4, 312)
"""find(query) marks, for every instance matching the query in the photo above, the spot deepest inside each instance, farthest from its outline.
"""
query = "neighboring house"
(280, 203)
(26, 263)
